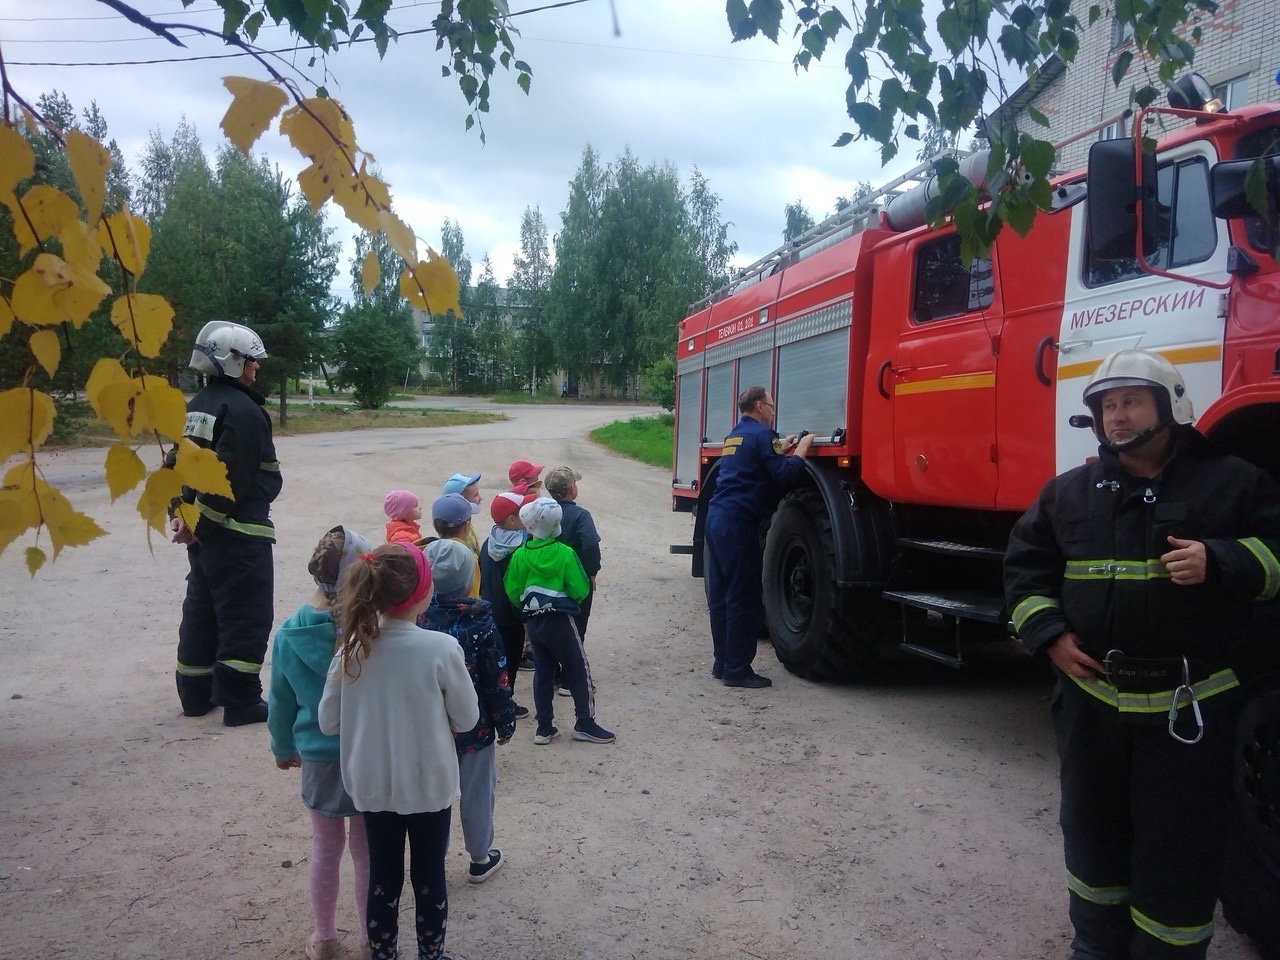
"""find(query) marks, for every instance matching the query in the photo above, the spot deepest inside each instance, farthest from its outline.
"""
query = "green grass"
(647, 439)
(324, 418)
(328, 418)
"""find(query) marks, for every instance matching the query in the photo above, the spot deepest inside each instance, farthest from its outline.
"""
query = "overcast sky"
(669, 85)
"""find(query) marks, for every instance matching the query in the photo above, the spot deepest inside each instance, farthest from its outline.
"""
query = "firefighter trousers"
(1143, 820)
(733, 573)
(226, 620)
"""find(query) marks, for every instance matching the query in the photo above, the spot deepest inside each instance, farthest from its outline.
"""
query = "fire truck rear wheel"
(818, 630)
(1251, 886)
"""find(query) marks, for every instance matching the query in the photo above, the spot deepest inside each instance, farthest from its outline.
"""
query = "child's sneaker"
(545, 735)
(480, 872)
(591, 732)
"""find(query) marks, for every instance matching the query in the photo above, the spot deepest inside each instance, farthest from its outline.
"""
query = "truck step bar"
(958, 605)
(962, 604)
(952, 548)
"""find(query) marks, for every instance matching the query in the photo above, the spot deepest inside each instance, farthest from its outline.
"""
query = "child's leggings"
(328, 836)
(428, 835)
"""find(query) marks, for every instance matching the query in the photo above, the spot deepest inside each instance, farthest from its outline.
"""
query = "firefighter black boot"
(245, 714)
(196, 694)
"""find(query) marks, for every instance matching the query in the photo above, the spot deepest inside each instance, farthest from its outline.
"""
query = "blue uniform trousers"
(734, 570)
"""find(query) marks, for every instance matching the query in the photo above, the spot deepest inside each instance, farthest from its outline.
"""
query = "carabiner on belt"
(1195, 707)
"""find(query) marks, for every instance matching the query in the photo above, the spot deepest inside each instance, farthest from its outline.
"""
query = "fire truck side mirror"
(1229, 184)
(1114, 197)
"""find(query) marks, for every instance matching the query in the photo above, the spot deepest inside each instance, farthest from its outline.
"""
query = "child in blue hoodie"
(300, 659)
(469, 621)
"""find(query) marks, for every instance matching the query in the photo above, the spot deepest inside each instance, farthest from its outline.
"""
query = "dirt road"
(910, 818)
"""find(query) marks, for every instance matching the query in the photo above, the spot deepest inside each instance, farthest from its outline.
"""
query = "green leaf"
(1037, 157)
(233, 14)
(856, 65)
(843, 140)
(740, 25)
(1121, 67)
(815, 42)
(1038, 117)
(767, 15)
(523, 81)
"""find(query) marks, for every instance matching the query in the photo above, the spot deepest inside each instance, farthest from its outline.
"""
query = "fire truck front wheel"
(818, 630)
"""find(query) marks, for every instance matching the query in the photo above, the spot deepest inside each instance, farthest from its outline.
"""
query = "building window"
(1114, 131)
(1121, 33)
(1233, 93)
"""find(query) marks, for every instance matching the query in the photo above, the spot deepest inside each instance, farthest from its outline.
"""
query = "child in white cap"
(545, 580)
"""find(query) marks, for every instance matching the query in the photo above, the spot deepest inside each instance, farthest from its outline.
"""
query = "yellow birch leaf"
(362, 198)
(67, 526)
(370, 272)
(316, 126)
(431, 285)
(89, 164)
(6, 315)
(19, 511)
(316, 185)
(80, 246)
(254, 105)
(124, 468)
(44, 344)
(106, 371)
(35, 560)
(162, 487)
(17, 162)
(115, 405)
(26, 417)
(189, 514)
(160, 407)
(201, 469)
(128, 239)
(145, 319)
(53, 290)
(399, 236)
(46, 211)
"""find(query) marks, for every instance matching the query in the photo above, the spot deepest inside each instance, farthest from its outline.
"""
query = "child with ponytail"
(396, 694)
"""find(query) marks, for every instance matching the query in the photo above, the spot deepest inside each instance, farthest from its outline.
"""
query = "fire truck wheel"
(818, 630)
(1251, 880)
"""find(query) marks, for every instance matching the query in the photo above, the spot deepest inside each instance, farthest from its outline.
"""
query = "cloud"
(671, 88)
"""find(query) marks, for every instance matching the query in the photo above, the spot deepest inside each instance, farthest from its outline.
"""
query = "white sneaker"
(564, 691)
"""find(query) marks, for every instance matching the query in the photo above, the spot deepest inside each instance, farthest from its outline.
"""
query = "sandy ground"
(914, 817)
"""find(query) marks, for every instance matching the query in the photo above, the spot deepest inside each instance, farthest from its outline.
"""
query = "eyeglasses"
(769, 404)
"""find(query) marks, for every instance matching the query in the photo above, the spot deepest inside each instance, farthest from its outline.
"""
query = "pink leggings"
(328, 835)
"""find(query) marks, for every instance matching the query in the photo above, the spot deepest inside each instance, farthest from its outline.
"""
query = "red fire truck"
(942, 393)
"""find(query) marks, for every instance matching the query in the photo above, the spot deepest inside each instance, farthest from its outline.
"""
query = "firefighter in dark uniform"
(1133, 574)
(753, 473)
(227, 613)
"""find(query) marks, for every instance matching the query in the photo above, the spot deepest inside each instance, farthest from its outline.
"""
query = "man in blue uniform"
(753, 473)
(1133, 574)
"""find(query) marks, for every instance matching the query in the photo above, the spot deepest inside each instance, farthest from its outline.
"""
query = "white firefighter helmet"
(222, 348)
(1139, 368)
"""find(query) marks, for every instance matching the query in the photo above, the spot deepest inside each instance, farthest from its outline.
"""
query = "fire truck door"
(942, 380)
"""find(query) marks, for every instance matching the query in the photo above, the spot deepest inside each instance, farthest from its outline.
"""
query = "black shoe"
(521, 712)
(752, 681)
(196, 709)
(717, 671)
(480, 872)
(245, 715)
